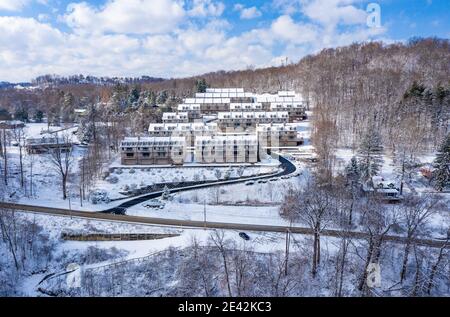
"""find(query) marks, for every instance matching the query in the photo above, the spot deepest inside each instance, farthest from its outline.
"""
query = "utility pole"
(204, 213)
(5, 157)
(81, 197)
(31, 175)
(288, 243)
(70, 205)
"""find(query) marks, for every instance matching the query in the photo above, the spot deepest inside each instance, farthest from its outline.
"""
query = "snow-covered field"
(239, 203)
(67, 251)
(126, 178)
(389, 170)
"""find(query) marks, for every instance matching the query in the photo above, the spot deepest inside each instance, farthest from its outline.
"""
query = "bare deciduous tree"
(312, 206)
(218, 239)
(377, 221)
(62, 161)
(415, 212)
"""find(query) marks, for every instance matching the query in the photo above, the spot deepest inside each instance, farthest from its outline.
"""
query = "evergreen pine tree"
(4, 114)
(201, 85)
(133, 96)
(21, 114)
(151, 99)
(162, 97)
(352, 170)
(370, 151)
(39, 116)
(68, 107)
(441, 174)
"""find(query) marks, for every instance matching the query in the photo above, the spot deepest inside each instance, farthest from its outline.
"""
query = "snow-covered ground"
(66, 251)
(35, 130)
(42, 182)
(389, 170)
(239, 203)
(130, 177)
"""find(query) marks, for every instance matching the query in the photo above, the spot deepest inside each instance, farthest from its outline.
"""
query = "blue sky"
(176, 38)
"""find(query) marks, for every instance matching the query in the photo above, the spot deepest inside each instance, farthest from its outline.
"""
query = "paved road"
(209, 225)
(286, 165)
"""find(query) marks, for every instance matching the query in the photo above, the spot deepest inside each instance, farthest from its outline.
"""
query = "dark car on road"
(244, 236)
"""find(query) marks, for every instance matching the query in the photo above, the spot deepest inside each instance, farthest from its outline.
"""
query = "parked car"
(285, 177)
(274, 179)
(262, 181)
(250, 183)
(154, 203)
(244, 236)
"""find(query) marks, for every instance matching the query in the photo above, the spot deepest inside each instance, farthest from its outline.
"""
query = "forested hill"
(54, 80)
(386, 87)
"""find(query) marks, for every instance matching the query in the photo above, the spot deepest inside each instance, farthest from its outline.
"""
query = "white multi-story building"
(153, 150)
(219, 99)
(210, 105)
(297, 111)
(247, 107)
(288, 101)
(187, 130)
(227, 140)
(243, 120)
(175, 117)
(226, 149)
(47, 143)
(276, 135)
(193, 110)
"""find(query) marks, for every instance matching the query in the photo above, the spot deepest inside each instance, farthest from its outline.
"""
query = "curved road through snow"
(286, 165)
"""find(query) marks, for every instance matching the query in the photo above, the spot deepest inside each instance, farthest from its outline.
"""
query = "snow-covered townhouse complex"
(226, 149)
(246, 107)
(221, 125)
(274, 135)
(46, 143)
(210, 105)
(219, 99)
(153, 150)
(285, 101)
(193, 110)
(175, 117)
(244, 120)
(296, 111)
(187, 130)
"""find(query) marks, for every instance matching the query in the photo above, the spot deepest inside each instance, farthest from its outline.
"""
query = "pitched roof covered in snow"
(227, 139)
(188, 107)
(276, 127)
(246, 106)
(195, 126)
(175, 115)
(150, 141)
(252, 115)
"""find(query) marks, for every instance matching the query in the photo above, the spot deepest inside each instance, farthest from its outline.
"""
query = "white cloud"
(126, 16)
(122, 39)
(13, 5)
(328, 13)
(286, 29)
(333, 12)
(247, 13)
(42, 17)
(204, 8)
